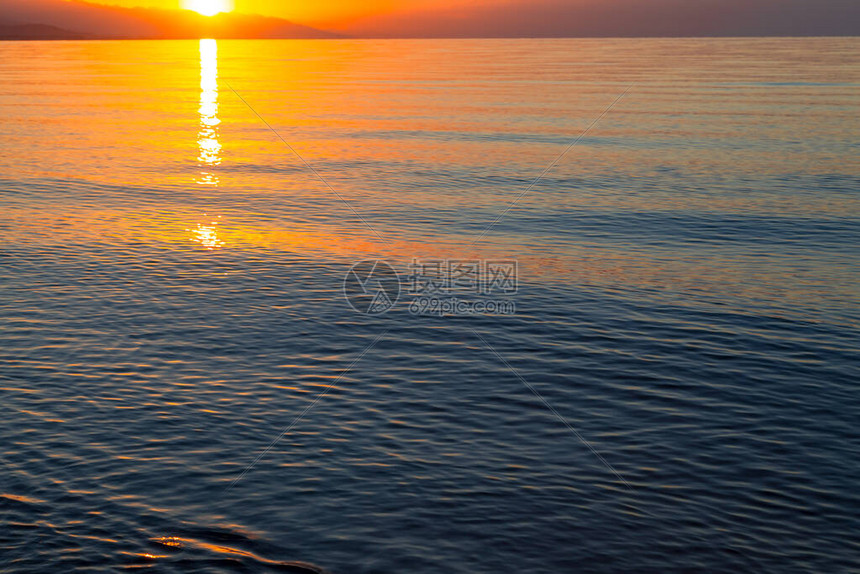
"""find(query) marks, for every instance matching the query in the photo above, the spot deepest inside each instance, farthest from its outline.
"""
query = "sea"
(430, 306)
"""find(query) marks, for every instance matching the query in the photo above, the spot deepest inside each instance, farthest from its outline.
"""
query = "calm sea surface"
(676, 392)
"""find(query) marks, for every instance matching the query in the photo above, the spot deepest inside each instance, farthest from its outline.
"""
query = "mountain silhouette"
(38, 32)
(69, 19)
(76, 19)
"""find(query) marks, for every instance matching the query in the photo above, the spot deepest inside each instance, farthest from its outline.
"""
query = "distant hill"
(70, 19)
(38, 32)
(455, 18)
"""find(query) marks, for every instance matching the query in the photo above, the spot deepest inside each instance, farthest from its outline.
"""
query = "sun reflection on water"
(208, 137)
(206, 234)
(208, 142)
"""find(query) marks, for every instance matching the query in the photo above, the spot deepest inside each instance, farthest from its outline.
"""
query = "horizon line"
(341, 37)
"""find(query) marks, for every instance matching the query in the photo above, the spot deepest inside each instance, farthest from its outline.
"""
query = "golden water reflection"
(206, 234)
(208, 141)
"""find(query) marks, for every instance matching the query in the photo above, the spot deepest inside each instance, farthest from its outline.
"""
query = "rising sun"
(208, 7)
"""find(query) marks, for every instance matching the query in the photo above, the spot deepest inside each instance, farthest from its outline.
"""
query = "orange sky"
(539, 18)
(317, 12)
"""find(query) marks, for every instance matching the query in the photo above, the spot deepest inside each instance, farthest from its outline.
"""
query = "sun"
(208, 7)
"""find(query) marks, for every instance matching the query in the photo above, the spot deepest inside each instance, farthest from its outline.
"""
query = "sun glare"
(208, 7)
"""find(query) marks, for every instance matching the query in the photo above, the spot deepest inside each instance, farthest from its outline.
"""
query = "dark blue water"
(185, 387)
